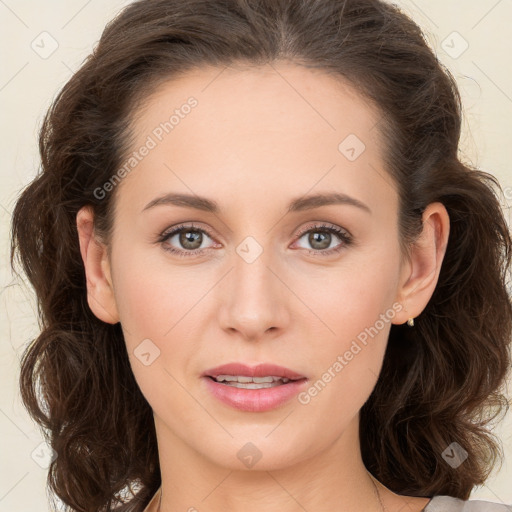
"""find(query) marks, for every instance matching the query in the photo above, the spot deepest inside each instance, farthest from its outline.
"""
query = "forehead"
(274, 127)
(273, 96)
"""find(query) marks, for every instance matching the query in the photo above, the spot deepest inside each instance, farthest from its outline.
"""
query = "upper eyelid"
(323, 225)
(192, 227)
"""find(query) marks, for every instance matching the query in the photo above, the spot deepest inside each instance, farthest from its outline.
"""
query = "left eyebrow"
(300, 204)
(318, 200)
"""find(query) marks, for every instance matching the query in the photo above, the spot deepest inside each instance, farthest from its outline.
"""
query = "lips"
(256, 397)
(261, 370)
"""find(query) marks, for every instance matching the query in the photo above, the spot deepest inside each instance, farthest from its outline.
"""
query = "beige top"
(450, 504)
(436, 504)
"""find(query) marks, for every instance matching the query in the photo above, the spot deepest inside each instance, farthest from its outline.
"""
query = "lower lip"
(255, 400)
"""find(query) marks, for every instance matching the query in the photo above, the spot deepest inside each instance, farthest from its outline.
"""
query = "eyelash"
(342, 234)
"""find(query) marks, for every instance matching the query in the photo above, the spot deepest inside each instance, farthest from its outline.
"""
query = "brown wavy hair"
(441, 381)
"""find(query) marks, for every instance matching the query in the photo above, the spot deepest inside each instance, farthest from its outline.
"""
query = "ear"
(100, 292)
(420, 272)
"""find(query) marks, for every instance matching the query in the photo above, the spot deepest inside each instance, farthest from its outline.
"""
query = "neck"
(334, 479)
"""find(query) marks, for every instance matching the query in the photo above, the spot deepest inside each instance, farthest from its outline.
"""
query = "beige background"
(30, 78)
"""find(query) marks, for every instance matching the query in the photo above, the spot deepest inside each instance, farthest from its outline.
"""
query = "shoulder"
(451, 504)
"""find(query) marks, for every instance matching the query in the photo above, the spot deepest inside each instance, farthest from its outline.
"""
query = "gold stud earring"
(410, 322)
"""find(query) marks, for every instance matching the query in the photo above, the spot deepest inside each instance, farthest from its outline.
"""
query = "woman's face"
(271, 275)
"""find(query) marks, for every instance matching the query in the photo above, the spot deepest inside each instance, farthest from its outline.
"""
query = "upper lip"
(260, 370)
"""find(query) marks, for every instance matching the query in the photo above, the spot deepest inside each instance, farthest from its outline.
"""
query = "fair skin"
(253, 144)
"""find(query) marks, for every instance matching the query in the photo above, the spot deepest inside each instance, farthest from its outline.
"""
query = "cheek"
(356, 310)
(161, 311)
(156, 311)
(351, 298)
(151, 294)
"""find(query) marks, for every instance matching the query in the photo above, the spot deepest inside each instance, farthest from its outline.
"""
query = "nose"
(254, 300)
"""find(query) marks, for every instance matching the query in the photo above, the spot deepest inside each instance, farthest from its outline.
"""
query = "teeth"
(260, 380)
(253, 385)
(268, 381)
